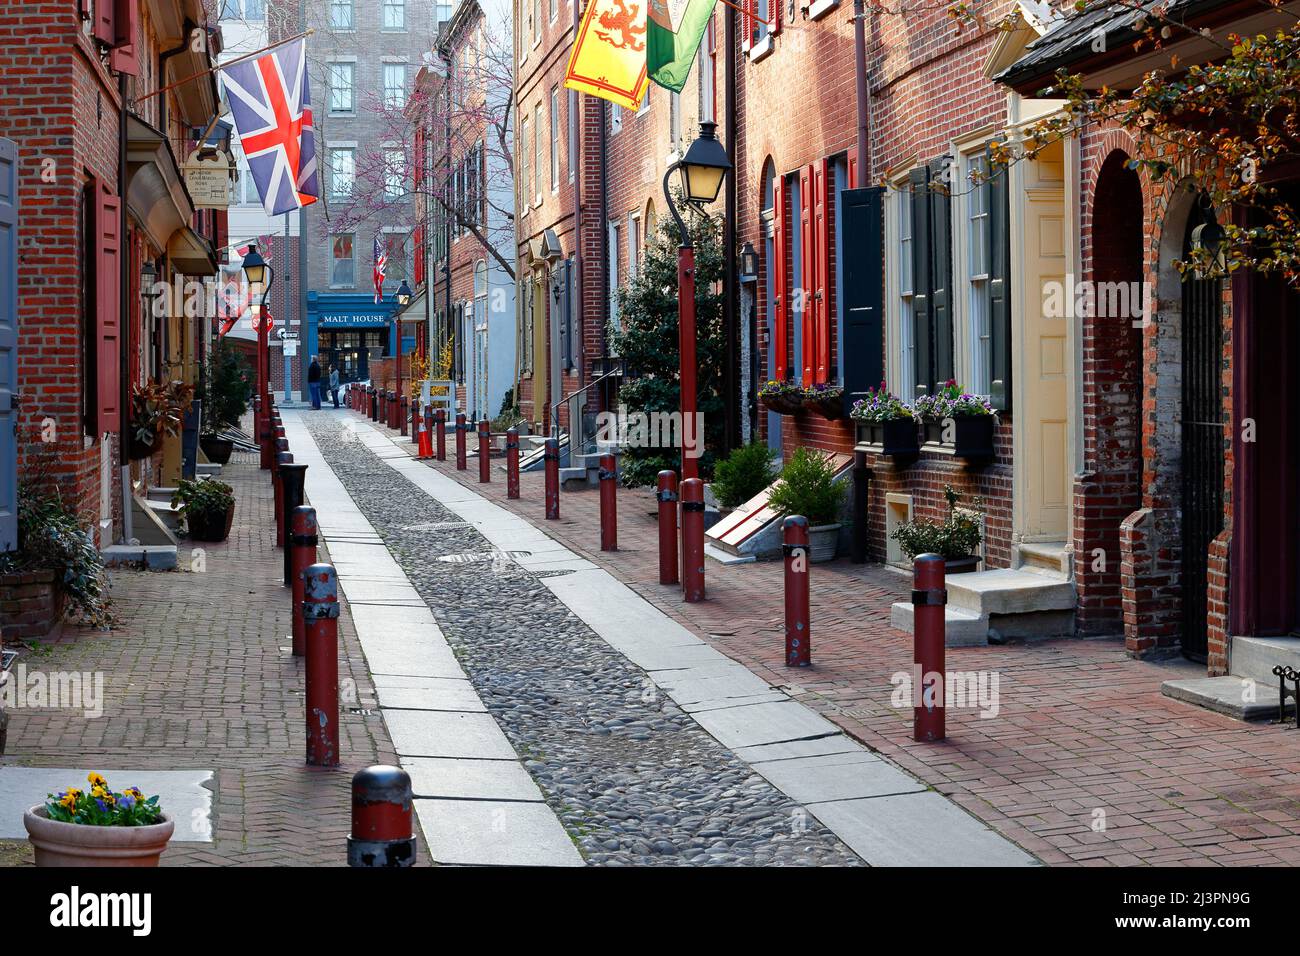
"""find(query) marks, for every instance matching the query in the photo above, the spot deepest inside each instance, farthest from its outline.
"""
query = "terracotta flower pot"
(74, 844)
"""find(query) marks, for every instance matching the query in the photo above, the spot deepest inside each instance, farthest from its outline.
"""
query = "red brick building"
(100, 213)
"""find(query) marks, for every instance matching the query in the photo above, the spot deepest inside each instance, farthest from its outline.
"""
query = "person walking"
(313, 383)
(334, 384)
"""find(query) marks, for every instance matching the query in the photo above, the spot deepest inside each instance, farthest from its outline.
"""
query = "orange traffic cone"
(424, 448)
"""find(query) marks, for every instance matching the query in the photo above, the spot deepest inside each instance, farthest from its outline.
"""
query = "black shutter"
(923, 361)
(999, 199)
(941, 271)
(860, 226)
(566, 314)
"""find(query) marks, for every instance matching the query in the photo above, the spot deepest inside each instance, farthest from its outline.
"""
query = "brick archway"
(1109, 489)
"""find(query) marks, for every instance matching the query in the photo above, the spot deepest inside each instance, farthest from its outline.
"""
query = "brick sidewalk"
(1082, 728)
(199, 676)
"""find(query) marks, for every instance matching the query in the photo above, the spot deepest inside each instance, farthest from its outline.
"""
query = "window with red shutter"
(852, 163)
(821, 175)
(807, 275)
(105, 22)
(108, 235)
(747, 24)
(774, 11)
(780, 290)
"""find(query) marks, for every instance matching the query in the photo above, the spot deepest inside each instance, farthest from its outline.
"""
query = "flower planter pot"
(74, 844)
(209, 525)
(783, 404)
(217, 449)
(896, 437)
(138, 451)
(828, 407)
(823, 542)
(974, 436)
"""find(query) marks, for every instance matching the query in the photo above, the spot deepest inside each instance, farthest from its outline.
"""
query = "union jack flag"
(271, 105)
(381, 270)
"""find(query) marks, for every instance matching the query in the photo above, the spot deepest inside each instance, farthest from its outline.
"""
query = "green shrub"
(743, 474)
(956, 537)
(228, 388)
(51, 538)
(808, 487)
(209, 498)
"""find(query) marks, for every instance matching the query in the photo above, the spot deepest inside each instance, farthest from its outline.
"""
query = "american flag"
(271, 105)
(381, 269)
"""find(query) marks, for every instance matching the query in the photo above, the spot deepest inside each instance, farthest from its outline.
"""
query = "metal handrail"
(577, 437)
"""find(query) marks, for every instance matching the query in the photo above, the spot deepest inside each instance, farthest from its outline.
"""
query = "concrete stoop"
(1249, 692)
(583, 471)
(1013, 602)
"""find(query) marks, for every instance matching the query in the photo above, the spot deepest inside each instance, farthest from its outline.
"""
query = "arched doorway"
(1202, 439)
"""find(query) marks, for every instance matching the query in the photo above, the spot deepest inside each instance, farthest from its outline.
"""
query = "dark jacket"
(313, 372)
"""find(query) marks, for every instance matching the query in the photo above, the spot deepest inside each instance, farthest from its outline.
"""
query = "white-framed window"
(761, 40)
(554, 9)
(634, 241)
(394, 14)
(975, 201)
(525, 189)
(343, 268)
(615, 236)
(343, 172)
(394, 172)
(341, 12)
(645, 102)
(555, 139)
(536, 17)
(615, 117)
(901, 364)
(537, 153)
(820, 8)
(342, 87)
(395, 86)
(399, 254)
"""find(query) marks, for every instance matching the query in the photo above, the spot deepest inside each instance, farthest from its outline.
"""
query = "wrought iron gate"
(1202, 444)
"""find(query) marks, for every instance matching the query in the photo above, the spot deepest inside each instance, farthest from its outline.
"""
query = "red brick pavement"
(1082, 729)
(199, 676)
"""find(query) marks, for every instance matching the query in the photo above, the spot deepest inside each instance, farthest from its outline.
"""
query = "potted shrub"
(953, 416)
(98, 828)
(808, 487)
(956, 539)
(156, 412)
(826, 400)
(886, 420)
(228, 390)
(206, 508)
(784, 398)
(743, 474)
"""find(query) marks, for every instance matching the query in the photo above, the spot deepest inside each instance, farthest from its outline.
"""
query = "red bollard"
(929, 595)
(383, 806)
(277, 486)
(693, 540)
(551, 459)
(415, 421)
(404, 415)
(394, 411)
(484, 454)
(798, 627)
(608, 503)
(667, 497)
(512, 463)
(302, 540)
(441, 426)
(461, 428)
(320, 612)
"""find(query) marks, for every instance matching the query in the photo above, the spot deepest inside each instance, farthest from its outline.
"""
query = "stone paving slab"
(490, 833)
(462, 779)
(764, 724)
(847, 776)
(917, 829)
(794, 749)
(427, 693)
(184, 794)
(722, 703)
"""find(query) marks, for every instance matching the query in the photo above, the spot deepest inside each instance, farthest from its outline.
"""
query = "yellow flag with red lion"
(609, 55)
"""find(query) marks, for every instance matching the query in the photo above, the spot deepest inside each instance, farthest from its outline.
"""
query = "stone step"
(1255, 657)
(573, 479)
(1045, 557)
(1009, 591)
(961, 628)
(1228, 695)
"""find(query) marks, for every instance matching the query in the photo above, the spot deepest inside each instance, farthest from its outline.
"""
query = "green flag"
(674, 31)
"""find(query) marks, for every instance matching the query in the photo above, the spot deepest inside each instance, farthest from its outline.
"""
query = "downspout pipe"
(731, 320)
(863, 96)
(124, 312)
(576, 316)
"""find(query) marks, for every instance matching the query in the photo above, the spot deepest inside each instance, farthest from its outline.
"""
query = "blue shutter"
(8, 345)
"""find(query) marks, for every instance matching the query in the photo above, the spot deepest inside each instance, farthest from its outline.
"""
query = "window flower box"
(886, 420)
(784, 398)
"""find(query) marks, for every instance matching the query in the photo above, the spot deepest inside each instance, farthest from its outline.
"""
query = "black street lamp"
(701, 171)
(404, 294)
(260, 277)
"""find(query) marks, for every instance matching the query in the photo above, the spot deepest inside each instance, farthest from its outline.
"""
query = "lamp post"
(403, 297)
(260, 276)
(702, 170)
